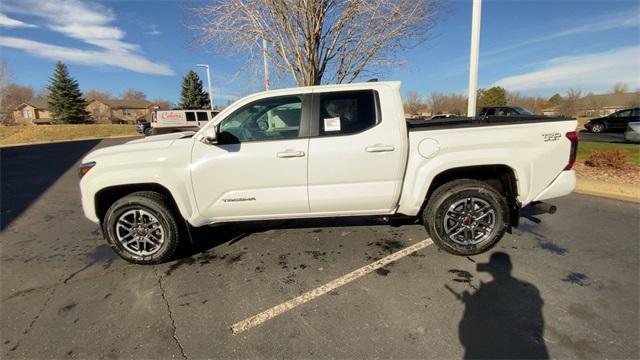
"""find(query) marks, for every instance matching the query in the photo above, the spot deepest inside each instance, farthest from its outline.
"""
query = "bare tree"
(620, 88)
(42, 92)
(12, 96)
(533, 103)
(132, 94)
(5, 80)
(570, 103)
(161, 104)
(414, 104)
(316, 40)
(447, 103)
(93, 94)
(436, 103)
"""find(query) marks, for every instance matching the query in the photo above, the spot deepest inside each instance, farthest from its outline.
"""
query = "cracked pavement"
(65, 294)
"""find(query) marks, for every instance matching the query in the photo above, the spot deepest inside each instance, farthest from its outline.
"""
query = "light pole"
(206, 66)
(473, 61)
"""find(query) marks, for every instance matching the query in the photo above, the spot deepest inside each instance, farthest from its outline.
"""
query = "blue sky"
(536, 47)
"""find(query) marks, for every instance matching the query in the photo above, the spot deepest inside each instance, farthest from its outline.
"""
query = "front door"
(356, 158)
(258, 168)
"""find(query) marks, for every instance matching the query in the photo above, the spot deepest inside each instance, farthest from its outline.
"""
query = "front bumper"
(563, 185)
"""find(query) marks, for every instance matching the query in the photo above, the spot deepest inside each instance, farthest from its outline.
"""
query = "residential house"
(34, 111)
(601, 105)
(119, 111)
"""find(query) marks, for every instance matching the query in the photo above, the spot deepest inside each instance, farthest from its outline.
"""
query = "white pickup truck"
(328, 151)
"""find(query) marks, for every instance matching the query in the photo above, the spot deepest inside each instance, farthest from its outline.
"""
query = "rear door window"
(347, 112)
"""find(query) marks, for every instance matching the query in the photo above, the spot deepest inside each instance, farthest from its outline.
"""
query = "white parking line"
(258, 319)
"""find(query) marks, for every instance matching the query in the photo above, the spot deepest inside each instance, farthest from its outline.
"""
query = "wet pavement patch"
(577, 279)
(551, 247)
(462, 275)
(67, 308)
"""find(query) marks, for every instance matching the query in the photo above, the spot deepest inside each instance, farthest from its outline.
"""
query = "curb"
(70, 140)
(623, 192)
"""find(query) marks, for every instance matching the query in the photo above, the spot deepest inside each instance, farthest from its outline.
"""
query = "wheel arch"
(106, 197)
(501, 177)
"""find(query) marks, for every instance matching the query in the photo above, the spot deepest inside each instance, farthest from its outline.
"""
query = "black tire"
(454, 192)
(597, 128)
(148, 131)
(158, 206)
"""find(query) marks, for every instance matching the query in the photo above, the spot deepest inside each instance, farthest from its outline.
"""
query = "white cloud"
(13, 23)
(122, 59)
(595, 72)
(85, 21)
(604, 22)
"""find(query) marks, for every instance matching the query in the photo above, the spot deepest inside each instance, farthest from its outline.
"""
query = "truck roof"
(331, 87)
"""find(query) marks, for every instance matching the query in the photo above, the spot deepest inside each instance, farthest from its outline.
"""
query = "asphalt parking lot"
(573, 291)
(609, 137)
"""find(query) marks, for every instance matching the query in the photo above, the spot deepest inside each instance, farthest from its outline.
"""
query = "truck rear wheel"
(466, 217)
(142, 228)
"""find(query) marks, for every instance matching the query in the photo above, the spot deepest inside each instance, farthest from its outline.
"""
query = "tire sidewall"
(168, 227)
(437, 211)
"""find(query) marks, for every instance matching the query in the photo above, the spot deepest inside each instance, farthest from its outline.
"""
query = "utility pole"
(473, 61)
(206, 66)
(266, 64)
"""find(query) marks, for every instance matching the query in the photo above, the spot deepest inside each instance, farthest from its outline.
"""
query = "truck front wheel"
(466, 217)
(141, 228)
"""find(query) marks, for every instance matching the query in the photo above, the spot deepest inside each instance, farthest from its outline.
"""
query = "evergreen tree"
(192, 95)
(556, 99)
(495, 96)
(66, 103)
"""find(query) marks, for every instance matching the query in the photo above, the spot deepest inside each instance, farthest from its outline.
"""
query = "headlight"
(85, 167)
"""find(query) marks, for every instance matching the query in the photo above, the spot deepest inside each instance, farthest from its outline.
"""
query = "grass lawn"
(11, 135)
(586, 147)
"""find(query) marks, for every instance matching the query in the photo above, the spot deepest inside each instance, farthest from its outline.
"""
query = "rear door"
(356, 156)
(620, 121)
(203, 118)
(192, 120)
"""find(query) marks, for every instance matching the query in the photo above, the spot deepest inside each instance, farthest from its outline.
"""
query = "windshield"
(523, 111)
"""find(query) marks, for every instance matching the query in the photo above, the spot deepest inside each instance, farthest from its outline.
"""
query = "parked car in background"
(505, 111)
(633, 132)
(144, 128)
(616, 122)
(170, 121)
(443, 116)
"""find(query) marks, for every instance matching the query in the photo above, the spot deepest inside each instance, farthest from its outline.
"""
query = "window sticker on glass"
(332, 124)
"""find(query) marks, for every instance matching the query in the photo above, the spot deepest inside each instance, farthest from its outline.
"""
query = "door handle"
(290, 154)
(380, 148)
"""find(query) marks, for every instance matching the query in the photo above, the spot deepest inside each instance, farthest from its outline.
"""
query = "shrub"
(608, 158)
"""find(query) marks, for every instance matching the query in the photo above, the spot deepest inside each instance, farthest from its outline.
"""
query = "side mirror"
(210, 135)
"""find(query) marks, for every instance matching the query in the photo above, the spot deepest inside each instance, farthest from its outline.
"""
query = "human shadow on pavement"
(503, 318)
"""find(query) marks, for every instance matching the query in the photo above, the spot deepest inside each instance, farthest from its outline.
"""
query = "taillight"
(573, 137)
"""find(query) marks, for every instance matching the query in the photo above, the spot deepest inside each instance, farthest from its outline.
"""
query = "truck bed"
(463, 121)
